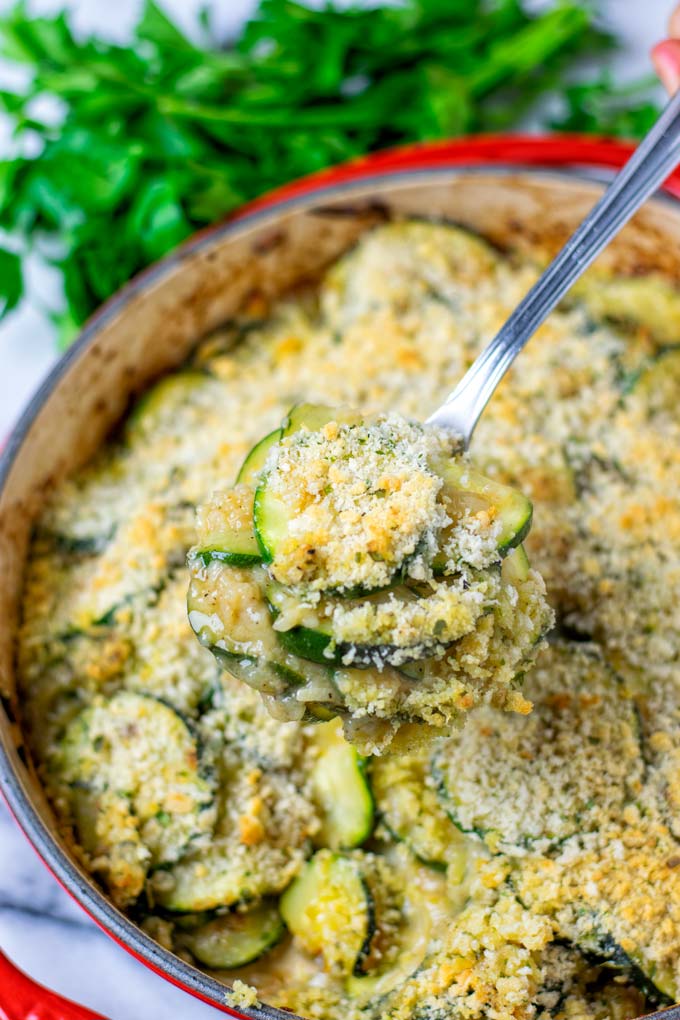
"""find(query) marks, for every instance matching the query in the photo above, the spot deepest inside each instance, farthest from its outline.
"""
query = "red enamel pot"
(527, 191)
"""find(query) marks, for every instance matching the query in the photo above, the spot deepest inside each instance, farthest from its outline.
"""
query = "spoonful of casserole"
(360, 567)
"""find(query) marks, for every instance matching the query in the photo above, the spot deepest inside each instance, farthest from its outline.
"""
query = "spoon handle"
(648, 167)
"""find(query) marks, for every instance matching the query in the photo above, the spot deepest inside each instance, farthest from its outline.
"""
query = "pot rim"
(573, 157)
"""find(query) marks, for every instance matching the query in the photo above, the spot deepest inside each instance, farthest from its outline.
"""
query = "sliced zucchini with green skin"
(410, 810)
(313, 638)
(252, 466)
(316, 643)
(215, 878)
(466, 490)
(601, 947)
(412, 943)
(610, 906)
(247, 646)
(234, 939)
(308, 642)
(85, 546)
(573, 984)
(259, 843)
(101, 497)
(159, 404)
(341, 790)
(136, 791)
(515, 567)
(270, 520)
(248, 649)
(225, 530)
(313, 417)
(267, 676)
(270, 514)
(519, 781)
(658, 384)
(515, 572)
(329, 909)
(190, 922)
(242, 552)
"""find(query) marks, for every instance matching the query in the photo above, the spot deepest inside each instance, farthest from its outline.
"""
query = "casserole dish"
(530, 192)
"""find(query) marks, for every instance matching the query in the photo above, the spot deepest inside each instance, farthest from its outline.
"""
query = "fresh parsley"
(153, 140)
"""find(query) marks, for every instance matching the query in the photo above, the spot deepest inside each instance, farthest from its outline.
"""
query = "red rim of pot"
(510, 152)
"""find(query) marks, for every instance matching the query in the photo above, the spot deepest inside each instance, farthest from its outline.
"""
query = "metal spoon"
(648, 167)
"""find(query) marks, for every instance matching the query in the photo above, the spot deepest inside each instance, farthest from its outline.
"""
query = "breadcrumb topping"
(360, 500)
(574, 761)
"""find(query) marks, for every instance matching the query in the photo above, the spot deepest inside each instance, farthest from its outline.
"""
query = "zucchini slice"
(310, 640)
(258, 845)
(464, 492)
(313, 417)
(135, 566)
(228, 614)
(270, 514)
(234, 939)
(225, 529)
(515, 567)
(573, 984)
(467, 491)
(235, 548)
(408, 948)
(658, 986)
(98, 499)
(137, 796)
(247, 648)
(315, 643)
(158, 407)
(307, 631)
(226, 874)
(270, 520)
(252, 466)
(515, 573)
(330, 910)
(519, 781)
(340, 790)
(408, 806)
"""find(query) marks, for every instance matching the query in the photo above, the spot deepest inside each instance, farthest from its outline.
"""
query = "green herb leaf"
(66, 328)
(11, 281)
(157, 219)
(603, 108)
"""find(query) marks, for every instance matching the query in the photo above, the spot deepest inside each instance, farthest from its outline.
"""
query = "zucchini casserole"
(523, 866)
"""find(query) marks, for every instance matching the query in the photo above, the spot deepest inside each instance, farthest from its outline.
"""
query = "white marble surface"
(40, 927)
(48, 935)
